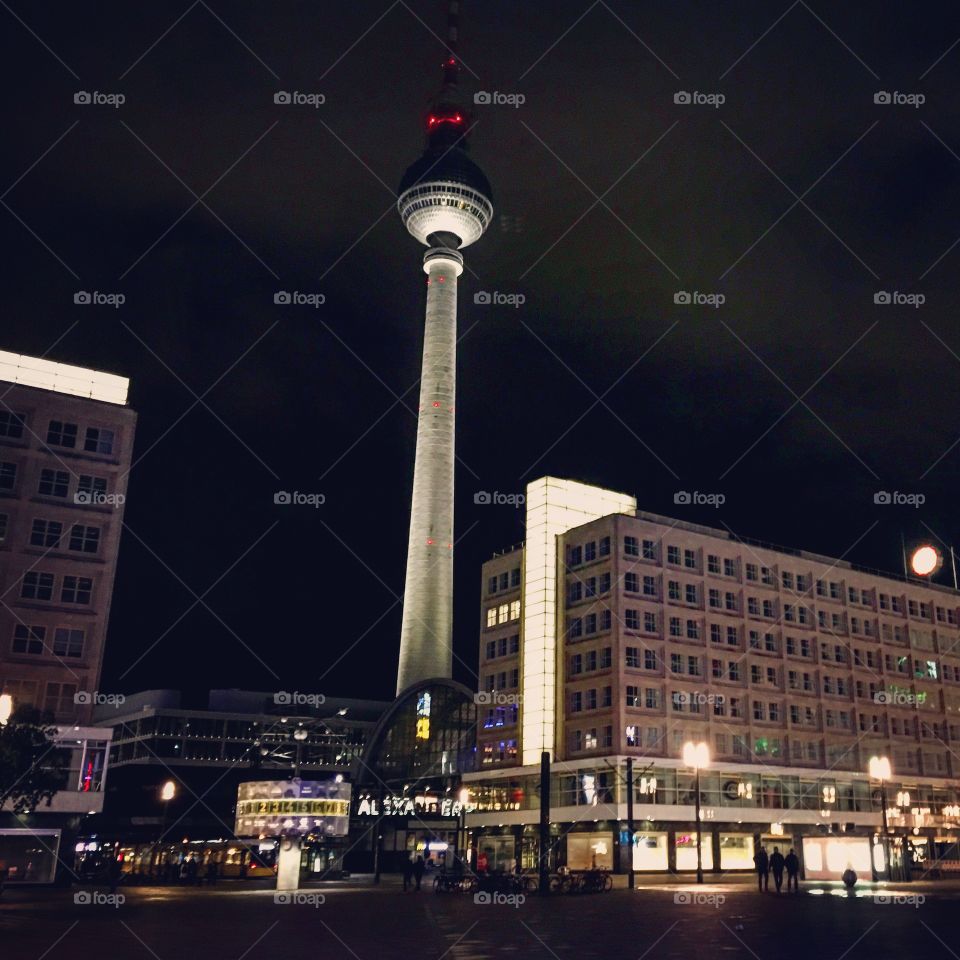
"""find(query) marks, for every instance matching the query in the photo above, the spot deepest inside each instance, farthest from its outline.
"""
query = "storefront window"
(589, 851)
(825, 858)
(736, 851)
(650, 851)
(686, 845)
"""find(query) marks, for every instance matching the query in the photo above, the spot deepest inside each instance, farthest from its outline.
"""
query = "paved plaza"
(364, 923)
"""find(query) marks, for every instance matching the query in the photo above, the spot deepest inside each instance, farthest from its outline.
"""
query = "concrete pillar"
(426, 634)
(288, 864)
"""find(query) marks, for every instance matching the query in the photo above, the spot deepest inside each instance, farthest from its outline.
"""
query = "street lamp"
(926, 560)
(879, 770)
(6, 708)
(697, 755)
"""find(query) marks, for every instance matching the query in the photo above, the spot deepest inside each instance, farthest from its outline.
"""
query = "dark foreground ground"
(362, 923)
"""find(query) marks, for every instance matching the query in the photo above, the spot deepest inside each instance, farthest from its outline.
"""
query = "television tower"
(445, 202)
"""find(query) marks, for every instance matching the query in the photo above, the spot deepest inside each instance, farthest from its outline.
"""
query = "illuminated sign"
(419, 806)
(63, 378)
(280, 808)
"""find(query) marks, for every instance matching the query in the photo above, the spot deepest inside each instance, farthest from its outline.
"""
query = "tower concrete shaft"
(426, 636)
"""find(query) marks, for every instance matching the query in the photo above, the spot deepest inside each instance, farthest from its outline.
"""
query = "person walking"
(776, 867)
(762, 863)
(407, 874)
(792, 863)
(418, 869)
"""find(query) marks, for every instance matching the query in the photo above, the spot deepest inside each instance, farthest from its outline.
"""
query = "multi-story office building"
(616, 633)
(66, 436)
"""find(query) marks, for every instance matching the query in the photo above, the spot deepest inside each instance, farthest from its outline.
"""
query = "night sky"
(797, 199)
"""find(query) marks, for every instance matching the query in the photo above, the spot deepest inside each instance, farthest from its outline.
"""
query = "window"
(649, 622)
(37, 586)
(68, 642)
(491, 649)
(604, 619)
(98, 440)
(673, 555)
(53, 483)
(690, 559)
(11, 424)
(514, 604)
(713, 563)
(631, 583)
(491, 616)
(8, 475)
(504, 581)
(690, 593)
(514, 575)
(787, 579)
(76, 590)
(752, 573)
(45, 533)
(60, 697)
(28, 639)
(606, 658)
(631, 547)
(604, 546)
(603, 583)
(652, 698)
(95, 488)
(574, 591)
(673, 589)
(589, 551)
(650, 660)
(503, 611)
(729, 567)
(576, 664)
(590, 623)
(633, 656)
(491, 583)
(514, 643)
(649, 586)
(60, 434)
(649, 550)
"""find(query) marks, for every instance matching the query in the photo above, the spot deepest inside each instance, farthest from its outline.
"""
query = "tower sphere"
(445, 193)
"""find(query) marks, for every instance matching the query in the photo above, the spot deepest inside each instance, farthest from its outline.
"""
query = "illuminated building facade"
(793, 668)
(66, 437)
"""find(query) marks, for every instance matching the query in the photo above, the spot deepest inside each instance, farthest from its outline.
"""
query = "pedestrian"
(418, 869)
(191, 870)
(792, 863)
(212, 871)
(407, 874)
(483, 863)
(776, 866)
(762, 863)
(114, 872)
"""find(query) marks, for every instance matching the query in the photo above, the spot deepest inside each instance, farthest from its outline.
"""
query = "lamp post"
(879, 770)
(167, 792)
(697, 755)
(464, 799)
